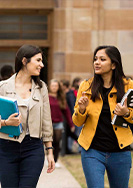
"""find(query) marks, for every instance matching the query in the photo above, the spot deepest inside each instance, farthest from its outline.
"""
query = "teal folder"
(9, 106)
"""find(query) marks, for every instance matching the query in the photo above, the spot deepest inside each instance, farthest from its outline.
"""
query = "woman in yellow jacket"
(104, 146)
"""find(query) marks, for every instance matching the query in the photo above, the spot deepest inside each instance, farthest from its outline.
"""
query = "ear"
(113, 66)
(24, 61)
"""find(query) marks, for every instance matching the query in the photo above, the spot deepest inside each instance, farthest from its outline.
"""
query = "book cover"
(9, 106)
(119, 120)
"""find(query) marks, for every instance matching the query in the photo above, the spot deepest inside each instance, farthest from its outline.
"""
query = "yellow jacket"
(90, 118)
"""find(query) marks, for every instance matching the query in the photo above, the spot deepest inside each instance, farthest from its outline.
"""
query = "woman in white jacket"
(22, 159)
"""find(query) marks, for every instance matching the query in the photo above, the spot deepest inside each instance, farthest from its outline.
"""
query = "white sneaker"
(57, 165)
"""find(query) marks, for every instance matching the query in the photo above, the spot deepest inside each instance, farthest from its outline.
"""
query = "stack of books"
(119, 120)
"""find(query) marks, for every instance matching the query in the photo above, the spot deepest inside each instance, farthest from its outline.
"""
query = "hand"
(121, 110)
(14, 119)
(51, 163)
(83, 103)
(73, 129)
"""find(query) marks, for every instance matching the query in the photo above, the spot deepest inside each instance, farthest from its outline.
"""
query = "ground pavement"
(60, 178)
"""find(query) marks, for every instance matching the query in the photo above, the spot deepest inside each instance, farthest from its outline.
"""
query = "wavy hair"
(117, 76)
(27, 51)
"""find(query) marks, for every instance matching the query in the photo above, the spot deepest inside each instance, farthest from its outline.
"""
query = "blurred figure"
(70, 97)
(6, 72)
(59, 108)
(75, 85)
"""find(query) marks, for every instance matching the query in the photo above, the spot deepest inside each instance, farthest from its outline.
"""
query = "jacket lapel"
(35, 94)
(10, 92)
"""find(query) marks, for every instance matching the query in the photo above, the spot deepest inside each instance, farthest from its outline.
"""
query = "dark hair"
(117, 77)
(65, 83)
(6, 72)
(75, 82)
(27, 51)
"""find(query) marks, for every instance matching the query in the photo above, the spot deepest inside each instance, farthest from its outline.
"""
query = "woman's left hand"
(51, 163)
(121, 110)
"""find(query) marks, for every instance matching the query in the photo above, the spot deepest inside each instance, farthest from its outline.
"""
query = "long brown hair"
(117, 77)
(60, 94)
(27, 51)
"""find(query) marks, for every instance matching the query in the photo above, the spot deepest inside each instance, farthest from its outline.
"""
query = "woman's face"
(103, 64)
(35, 65)
(54, 87)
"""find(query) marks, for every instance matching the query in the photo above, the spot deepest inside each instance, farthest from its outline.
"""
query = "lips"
(39, 70)
(97, 68)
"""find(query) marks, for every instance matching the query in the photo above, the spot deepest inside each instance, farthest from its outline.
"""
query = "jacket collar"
(34, 92)
(113, 90)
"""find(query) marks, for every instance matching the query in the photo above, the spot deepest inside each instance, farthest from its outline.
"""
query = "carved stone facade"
(76, 28)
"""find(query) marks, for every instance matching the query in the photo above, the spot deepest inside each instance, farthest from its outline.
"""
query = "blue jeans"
(117, 165)
(21, 163)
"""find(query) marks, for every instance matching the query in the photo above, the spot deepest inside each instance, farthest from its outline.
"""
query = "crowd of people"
(45, 114)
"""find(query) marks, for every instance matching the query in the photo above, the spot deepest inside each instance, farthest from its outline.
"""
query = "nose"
(97, 61)
(41, 64)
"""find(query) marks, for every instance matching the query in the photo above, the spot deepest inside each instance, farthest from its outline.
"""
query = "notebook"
(119, 120)
(9, 106)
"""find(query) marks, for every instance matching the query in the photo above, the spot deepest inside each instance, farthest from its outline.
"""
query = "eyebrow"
(100, 56)
(39, 58)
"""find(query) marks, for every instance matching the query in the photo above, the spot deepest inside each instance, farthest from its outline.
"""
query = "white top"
(26, 101)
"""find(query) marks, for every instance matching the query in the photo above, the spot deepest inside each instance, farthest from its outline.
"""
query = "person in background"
(104, 146)
(70, 98)
(75, 85)
(6, 72)
(22, 158)
(59, 108)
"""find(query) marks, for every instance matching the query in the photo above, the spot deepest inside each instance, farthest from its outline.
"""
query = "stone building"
(68, 31)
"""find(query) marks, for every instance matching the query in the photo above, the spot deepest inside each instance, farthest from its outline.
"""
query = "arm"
(12, 120)
(124, 111)
(47, 129)
(80, 111)
(68, 117)
(50, 158)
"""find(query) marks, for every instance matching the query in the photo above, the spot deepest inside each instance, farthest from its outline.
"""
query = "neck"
(53, 94)
(23, 78)
(107, 79)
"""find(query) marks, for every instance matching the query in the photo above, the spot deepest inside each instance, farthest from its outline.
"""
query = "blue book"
(9, 106)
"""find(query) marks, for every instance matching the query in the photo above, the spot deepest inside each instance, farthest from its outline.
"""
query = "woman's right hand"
(83, 103)
(13, 120)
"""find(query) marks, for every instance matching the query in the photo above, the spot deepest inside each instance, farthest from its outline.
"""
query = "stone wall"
(81, 25)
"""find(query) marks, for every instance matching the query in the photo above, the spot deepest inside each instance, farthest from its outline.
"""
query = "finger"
(15, 114)
(83, 94)
(125, 102)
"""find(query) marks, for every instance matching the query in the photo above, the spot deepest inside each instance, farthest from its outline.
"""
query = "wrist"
(82, 111)
(49, 150)
(127, 114)
(5, 123)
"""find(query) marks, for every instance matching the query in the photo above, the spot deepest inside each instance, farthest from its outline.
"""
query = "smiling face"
(35, 65)
(102, 64)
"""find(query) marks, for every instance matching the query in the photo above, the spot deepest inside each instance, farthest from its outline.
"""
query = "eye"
(103, 59)
(95, 59)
